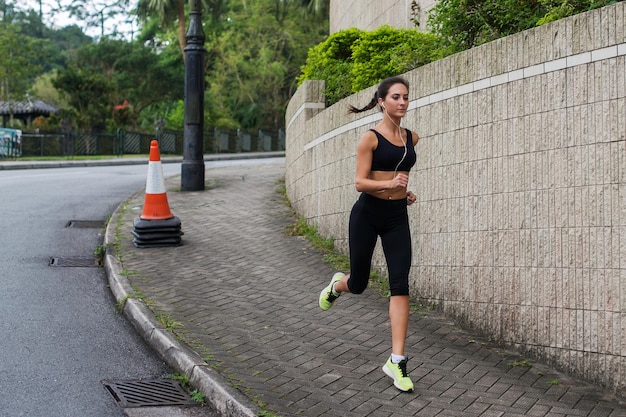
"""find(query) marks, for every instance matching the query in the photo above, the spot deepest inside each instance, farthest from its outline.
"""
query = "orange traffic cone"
(156, 206)
(156, 226)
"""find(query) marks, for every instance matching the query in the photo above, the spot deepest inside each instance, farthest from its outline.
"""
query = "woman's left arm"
(410, 195)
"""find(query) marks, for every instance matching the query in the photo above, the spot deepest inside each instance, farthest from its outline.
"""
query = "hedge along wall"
(519, 230)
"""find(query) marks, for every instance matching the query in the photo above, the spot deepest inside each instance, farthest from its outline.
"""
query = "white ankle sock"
(335, 293)
(397, 358)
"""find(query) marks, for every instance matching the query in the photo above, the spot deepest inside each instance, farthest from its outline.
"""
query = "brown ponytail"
(381, 92)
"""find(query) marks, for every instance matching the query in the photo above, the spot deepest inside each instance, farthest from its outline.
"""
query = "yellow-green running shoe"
(327, 298)
(397, 371)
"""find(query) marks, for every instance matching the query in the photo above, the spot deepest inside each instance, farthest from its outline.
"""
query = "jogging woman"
(385, 155)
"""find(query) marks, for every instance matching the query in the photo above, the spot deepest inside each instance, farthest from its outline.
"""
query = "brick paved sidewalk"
(245, 296)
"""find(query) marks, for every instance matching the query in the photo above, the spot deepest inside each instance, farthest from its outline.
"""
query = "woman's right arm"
(364, 155)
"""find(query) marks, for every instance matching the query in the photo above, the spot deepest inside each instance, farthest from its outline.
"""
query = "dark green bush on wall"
(464, 24)
(388, 51)
(332, 62)
(352, 59)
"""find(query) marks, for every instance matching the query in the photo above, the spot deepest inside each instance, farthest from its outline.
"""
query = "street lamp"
(192, 175)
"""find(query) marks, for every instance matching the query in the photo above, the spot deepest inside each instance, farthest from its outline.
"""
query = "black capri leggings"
(372, 217)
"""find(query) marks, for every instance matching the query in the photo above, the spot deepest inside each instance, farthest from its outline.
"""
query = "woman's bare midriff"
(388, 194)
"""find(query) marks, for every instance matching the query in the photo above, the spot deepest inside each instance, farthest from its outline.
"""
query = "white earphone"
(395, 171)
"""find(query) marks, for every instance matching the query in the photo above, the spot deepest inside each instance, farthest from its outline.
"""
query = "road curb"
(71, 163)
(219, 394)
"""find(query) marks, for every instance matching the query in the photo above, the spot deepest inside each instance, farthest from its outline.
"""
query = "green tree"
(257, 58)
(29, 23)
(167, 12)
(43, 89)
(66, 41)
(17, 70)
(53, 45)
(7, 11)
(89, 94)
(118, 73)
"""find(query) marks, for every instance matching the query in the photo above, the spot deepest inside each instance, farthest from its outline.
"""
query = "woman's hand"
(399, 181)
(410, 198)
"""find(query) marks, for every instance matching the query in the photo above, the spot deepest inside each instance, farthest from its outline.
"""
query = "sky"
(62, 19)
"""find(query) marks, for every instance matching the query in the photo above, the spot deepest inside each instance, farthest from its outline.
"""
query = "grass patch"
(99, 253)
(195, 394)
(423, 309)
(267, 414)
(523, 363)
(119, 224)
(166, 320)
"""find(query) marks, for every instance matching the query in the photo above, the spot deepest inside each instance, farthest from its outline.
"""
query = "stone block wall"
(519, 230)
(370, 14)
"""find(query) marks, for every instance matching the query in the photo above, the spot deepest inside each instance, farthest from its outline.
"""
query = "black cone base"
(156, 233)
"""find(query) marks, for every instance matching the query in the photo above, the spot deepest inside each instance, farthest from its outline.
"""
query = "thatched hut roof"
(32, 108)
(26, 110)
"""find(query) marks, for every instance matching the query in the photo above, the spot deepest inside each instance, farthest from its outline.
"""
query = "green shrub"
(389, 51)
(559, 9)
(352, 59)
(465, 24)
(332, 62)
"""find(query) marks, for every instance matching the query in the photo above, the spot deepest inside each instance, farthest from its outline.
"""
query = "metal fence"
(129, 143)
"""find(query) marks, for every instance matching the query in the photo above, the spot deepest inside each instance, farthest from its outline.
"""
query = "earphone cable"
(395, 171)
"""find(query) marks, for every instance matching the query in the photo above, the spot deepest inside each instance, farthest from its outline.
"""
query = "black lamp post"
(192, 175)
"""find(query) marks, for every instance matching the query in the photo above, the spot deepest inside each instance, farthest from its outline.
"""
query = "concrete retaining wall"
(520, 225)
(370, 14)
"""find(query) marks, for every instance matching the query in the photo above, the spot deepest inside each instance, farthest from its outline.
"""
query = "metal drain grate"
(75, 261)
(148, 393)
(85, 224)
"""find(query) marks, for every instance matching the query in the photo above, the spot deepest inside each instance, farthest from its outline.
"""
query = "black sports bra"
(387, 156)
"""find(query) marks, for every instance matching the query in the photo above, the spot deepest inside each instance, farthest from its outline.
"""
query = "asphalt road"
(61, 335)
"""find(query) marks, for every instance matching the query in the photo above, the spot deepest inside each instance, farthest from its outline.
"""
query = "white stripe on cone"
(155, 184)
